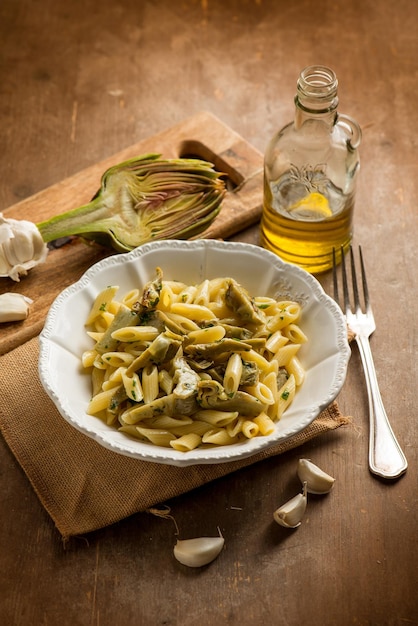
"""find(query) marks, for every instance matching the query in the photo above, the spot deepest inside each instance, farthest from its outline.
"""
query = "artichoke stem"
(84, 219)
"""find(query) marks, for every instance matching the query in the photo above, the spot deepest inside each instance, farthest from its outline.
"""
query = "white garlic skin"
(21, 248)
(199, 551)
(14, 307)
(291, 513)
(318, 481)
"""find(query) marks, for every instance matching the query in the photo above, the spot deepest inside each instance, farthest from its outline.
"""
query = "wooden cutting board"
(203, 136)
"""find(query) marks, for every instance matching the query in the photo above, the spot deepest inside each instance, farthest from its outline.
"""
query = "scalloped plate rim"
(108, 437)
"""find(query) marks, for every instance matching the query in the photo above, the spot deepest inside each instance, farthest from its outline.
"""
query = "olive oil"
(310, 171)
(306, 231)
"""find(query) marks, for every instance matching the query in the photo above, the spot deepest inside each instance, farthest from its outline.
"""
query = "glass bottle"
(310, 171)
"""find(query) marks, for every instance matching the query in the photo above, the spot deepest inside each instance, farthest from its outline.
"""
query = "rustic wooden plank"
(202, 135)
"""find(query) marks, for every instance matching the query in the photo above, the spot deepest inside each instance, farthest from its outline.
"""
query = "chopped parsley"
(285, 394)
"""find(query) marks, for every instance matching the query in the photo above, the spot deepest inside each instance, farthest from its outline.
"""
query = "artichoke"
(143, 199)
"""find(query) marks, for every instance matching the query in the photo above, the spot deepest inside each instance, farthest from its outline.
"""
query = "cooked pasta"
(186, 366)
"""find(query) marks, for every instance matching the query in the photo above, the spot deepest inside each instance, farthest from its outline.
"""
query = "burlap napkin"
(82, 485)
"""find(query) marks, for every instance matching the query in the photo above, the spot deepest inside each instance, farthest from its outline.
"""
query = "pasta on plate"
(185, 366)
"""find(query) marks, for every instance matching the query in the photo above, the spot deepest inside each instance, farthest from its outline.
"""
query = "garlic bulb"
(318, 481)
(291, 513)
(198, 552)
(14, 307)
(21, 247)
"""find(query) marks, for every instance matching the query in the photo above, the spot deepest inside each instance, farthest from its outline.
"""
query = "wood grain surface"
(82, 81)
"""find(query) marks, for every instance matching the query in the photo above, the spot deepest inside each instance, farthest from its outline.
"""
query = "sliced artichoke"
(143, 199)
(238, 299)
(245, 403)
(213, 350)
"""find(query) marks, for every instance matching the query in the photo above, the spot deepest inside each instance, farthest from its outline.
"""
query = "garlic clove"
(318, 481)
(291, 513)
(14, 307)
(199, 551)
(23, 246)
(4, 265)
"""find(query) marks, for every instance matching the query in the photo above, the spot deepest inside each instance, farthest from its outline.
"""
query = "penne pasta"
(262, 392)
(114, 379)
(95, 335)
(116, 359)
(218, 437)
(130, 298)
(181, 322)
(254, 357)
(186, 442)
(233, 373)
(286, 395)
(112, 309)
(103, 322)
(265, 424)
(150, 385)
(207, 335)
(135, 333)
(202, 295)
(209, 366)
(101, 304)
(276, 341)
(88, 357)
(295, 333)
(250, 429)
(100, 402)
(195, 312)
(295, 367)
(155, 435)
(216, 418)
(167, 298)
(235, 427)
(197, 427)
(186, 295)
(284, 354)
(217, 288)
(132, 386)
(165, 381)
(175, 285)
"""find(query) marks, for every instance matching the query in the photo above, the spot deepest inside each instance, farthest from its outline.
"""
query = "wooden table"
(81, 81)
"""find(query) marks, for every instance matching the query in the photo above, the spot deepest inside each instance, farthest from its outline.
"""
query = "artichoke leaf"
(246, 404)
(238, 299)
(166, 405)
(185, 379)
(210, 351)
(162, 348)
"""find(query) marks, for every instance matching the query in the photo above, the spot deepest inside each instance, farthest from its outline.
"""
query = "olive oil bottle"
(310, 171)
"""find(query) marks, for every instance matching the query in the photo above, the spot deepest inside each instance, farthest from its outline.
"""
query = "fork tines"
(344, 273)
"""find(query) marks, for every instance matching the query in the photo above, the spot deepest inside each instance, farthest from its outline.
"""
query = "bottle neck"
(316, 96)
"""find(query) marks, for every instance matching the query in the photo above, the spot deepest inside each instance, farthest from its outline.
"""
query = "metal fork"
(386, 458)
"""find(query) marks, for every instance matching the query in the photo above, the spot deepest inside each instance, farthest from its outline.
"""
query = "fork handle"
(386, 458)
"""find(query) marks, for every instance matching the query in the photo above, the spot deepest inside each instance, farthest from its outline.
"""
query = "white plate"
(63, 339)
